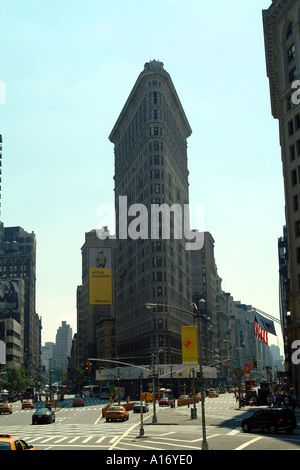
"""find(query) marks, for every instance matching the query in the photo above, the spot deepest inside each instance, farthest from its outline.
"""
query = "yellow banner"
(100, 286)
(189, 344)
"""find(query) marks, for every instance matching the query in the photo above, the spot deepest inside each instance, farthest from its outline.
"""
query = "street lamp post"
(200, 308)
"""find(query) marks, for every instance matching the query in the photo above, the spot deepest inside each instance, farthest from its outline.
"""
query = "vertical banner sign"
(100, 276)
(189, 345)
(247, 368)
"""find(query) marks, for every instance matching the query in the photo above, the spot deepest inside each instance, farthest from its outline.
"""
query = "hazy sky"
(69, 66)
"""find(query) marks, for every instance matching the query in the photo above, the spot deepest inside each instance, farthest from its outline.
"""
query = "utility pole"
(154, 418)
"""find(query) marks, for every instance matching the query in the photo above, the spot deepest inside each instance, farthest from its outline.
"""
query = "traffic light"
(254, 364)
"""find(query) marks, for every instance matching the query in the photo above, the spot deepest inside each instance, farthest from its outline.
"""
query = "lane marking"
(248, 443)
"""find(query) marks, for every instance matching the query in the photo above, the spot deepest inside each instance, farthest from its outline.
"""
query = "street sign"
(238, 372)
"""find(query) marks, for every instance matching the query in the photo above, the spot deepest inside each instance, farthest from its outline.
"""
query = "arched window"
(289, 31)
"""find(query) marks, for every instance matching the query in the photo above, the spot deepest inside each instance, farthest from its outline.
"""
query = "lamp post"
(200, 308)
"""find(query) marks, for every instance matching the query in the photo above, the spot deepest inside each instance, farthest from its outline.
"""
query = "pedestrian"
(269, 400)
(293, 402)
(286, 402)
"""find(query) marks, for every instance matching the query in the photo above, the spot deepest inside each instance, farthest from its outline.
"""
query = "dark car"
(42, 416)
(164, 402)
(270, 419)
(137, 407)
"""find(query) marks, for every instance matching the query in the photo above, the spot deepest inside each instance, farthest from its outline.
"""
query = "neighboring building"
(18, 264)
(95, 297)
(282, 47)
(205, 281)
(48, 352)
(63, 345)
(150, 148)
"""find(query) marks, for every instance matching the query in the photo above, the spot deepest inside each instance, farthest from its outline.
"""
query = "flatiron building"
(150, 152)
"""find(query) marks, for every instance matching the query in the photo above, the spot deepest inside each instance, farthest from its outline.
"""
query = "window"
(291, 127)
(294, 177)
(289, 31)
(292, 74)
(298, 255)
(297, 228)
(296, 203)
(292, 152)
(291, 53)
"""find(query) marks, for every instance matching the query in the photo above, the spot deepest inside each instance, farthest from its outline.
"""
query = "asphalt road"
(175, 432)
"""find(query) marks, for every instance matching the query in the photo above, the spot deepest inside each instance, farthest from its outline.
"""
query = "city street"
(84, 429)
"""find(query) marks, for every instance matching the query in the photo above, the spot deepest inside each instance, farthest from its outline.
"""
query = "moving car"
(42, 416)
(212, 393)
(7, 442)
(78, 402)
(5, 408)
(137, 407)
(117, 412)
(27, 404)
(271, 419)
(164, 402)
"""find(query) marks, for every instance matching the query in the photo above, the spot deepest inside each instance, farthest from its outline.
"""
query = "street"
(84, 429)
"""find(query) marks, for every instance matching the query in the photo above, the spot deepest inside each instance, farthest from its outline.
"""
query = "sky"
(68, 67)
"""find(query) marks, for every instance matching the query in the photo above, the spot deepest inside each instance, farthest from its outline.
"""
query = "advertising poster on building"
(189, 345)
(9, 295)
(100, 276)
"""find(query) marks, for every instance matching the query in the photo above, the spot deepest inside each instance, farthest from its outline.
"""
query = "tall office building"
(18, 264)
(150, 147)
(63, 344)
(282, 46)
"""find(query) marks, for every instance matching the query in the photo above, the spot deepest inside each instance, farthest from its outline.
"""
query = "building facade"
(282, 47)
(18, 267)
(97, 253)
(150, 149)
(63, 345)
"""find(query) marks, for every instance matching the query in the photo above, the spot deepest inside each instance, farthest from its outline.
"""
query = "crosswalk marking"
(74, 439)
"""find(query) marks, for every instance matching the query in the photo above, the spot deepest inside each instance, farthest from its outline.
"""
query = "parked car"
(164, 402)
(137, 407)
(42, 416)
(270, 419)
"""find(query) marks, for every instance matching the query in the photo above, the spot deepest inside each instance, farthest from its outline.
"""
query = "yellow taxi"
(27, 404)
(117, 412)
(5, 408)
(212, 394)
(183, 397)
(7, 442)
